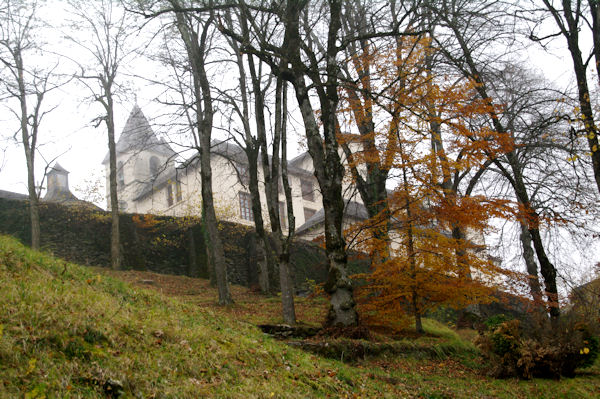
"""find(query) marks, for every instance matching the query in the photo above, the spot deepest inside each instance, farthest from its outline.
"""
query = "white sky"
(67, 133)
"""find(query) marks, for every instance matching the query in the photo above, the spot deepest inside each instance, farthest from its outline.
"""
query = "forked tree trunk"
(263, 266)
(539, 311)
(329, 170)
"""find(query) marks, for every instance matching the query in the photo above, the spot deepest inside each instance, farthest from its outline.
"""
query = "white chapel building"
(151, 181)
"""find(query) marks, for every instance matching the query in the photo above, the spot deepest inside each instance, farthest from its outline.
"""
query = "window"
(120, 174)
(154, 166)
(246, 207)
(243, 174)
(169, 194)
(308, 213)
(282, 218)
(308, 193)
(178, 196)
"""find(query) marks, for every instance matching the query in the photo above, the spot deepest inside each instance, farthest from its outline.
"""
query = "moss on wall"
(162, 244)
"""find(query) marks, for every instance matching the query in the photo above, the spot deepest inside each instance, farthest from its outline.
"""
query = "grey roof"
(224, 148)
(60, 195)
(58, 168)
(66, 197)
(138, 135)
(235, 153)
(352, 210)
(13, 196)
(296, 161)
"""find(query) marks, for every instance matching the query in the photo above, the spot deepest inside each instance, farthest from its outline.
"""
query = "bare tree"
(573, 18)
(468, 52)
(27, 85)
(251, 145)
(282, 243)
(195, 31)
(295, 60)
(111, 34)
(296, 54)
(274, 167)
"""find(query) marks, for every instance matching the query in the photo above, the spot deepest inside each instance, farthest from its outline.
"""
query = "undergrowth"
(67, 331)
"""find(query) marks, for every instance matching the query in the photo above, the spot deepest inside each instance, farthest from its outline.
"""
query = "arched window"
(154, 166)
(120, 174)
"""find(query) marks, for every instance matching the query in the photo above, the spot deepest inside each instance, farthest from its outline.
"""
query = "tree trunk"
(34, 208)
(29, 145)
(115, 246)
(285, 279)
(410, 246)
(287, 291)
(263, 267)
(196, 51)
(214, 240)
(34, 202)
(329, 175)
(570, 31)
(587, 113)
(548, 272)
(595, 14)
(251, 149)
(329, 170)
(531, 265)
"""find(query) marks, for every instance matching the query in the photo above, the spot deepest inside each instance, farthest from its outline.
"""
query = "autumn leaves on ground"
(71, 331)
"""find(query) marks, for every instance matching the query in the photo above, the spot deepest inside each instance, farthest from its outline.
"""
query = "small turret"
(58, 185)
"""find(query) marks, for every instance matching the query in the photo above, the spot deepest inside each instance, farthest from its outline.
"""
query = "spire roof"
(58, 169)
(137, 135)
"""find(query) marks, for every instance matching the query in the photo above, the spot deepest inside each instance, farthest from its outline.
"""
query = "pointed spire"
(137, 135)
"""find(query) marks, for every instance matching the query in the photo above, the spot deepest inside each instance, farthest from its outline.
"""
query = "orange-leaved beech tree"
(437, 155)
(428, 266)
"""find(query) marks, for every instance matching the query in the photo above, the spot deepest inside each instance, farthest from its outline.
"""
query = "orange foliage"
(147, 221)
(430, 261)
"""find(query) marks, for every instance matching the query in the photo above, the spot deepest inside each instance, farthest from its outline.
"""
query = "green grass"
(65, 331)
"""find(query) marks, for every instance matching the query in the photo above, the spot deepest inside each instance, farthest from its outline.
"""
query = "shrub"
(494, 321)
(558, 353)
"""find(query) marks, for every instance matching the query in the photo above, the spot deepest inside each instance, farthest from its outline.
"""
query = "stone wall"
(168, 245)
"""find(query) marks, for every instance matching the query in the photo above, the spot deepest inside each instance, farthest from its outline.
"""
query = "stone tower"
(58, 185)
(141, 158)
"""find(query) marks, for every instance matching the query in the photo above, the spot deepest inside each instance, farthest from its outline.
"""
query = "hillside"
(71, 331)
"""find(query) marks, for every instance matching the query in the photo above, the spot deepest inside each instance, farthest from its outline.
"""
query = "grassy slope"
(65, 331)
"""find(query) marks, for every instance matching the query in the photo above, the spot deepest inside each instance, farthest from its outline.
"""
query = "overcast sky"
(67, 134)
